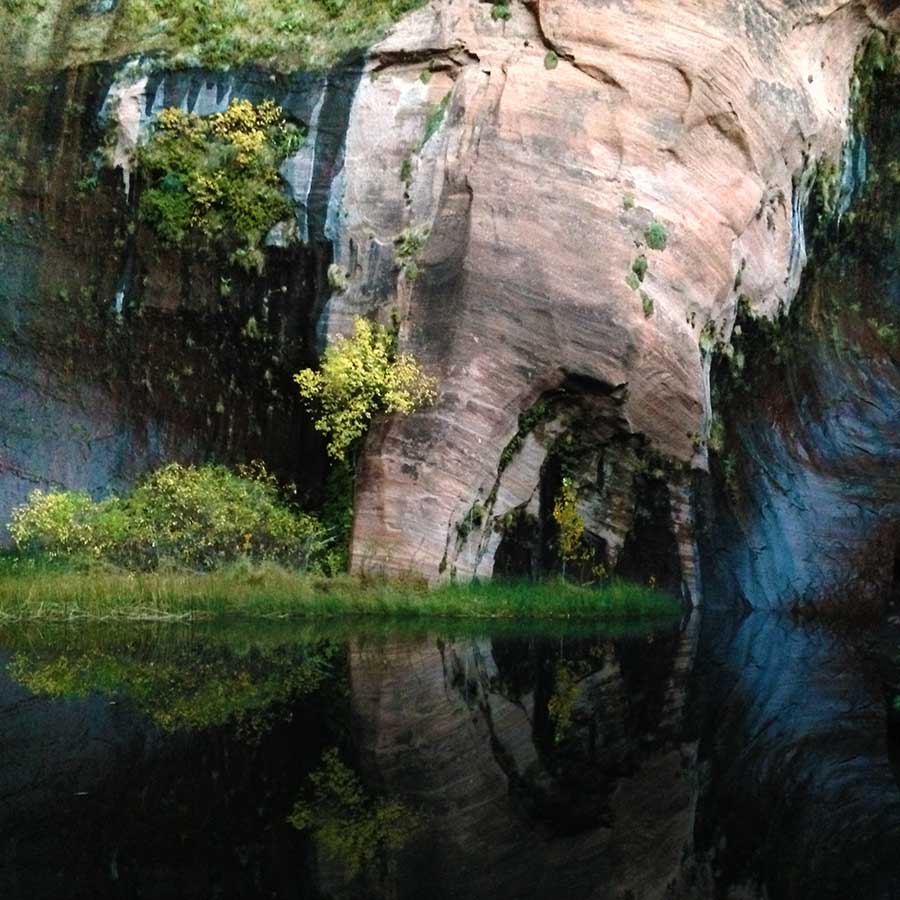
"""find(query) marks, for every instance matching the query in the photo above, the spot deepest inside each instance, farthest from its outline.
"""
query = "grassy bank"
(43, 593)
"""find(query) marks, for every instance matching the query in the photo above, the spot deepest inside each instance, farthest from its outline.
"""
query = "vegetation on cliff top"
(282, 34)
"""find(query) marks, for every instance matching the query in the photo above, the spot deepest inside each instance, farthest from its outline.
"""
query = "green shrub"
(217, 177)
(656, 236)
(359, 377)
(58, 524)
(640, 266)
(551, 60)
(197, 517)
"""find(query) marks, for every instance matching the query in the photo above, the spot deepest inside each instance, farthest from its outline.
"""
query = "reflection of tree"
(352, 827)
(189, 686)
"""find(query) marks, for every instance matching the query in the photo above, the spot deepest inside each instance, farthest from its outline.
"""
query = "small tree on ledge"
(359, 377)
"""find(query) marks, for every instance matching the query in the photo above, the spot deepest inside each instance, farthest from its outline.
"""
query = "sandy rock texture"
(556, 139)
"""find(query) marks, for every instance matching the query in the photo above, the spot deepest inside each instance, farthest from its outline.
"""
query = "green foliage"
(35, 590)
(194, 517)
(436, 116)
(410, 243)
(562, 702)
(218, 34)
(628, 201)
(337, 516)
(640, 266)
(217, 177)
(716, 441)
(57, 524)
(647, 304)
(351, 826)
(572, 546)
(358, 378)
(551, 60)
(500, 10)
(472, 520)
(632, 281)
(528, 421)
(656, 236)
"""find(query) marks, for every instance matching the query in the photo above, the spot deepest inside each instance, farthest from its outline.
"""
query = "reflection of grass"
(35, 593)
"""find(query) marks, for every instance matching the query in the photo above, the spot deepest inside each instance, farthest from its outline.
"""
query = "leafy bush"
(656, 236)
(58, 524)
(217, 177)
(195, 517)
(359, 377)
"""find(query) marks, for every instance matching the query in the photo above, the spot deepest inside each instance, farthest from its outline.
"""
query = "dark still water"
(746, 758)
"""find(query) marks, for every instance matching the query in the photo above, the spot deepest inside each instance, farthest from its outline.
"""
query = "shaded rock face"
(805, 499)
(568, 132)
(118, 353)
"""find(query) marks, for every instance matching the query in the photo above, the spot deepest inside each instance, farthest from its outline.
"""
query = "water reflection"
(363, 760)
(379, 760)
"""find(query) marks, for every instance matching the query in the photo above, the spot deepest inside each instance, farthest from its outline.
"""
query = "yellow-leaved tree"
(358, 377)
(572, 545)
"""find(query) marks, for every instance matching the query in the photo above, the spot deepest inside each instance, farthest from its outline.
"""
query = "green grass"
(36, 592)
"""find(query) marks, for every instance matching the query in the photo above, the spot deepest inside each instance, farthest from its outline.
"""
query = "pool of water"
(734, 758)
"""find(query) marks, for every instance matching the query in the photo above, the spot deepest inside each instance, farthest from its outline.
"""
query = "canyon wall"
(565, 208)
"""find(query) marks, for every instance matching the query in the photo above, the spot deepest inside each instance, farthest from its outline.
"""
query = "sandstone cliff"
(566, 207)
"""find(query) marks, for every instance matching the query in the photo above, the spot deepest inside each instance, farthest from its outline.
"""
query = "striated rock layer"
(568, 130)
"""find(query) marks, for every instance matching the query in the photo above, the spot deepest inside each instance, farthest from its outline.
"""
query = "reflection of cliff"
(546, 768)
(801, 799)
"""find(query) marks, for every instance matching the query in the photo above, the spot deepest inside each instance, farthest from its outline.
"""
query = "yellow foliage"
(359, 377)
(571, 526)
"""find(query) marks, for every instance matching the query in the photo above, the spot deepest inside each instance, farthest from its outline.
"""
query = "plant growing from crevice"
(656, 236)
(216, 178)
(435, 119)
(338, 280)
(500, 10)
(640, 266)
(528, 421)
(359, 377)
(409, 245)
(472, 520)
